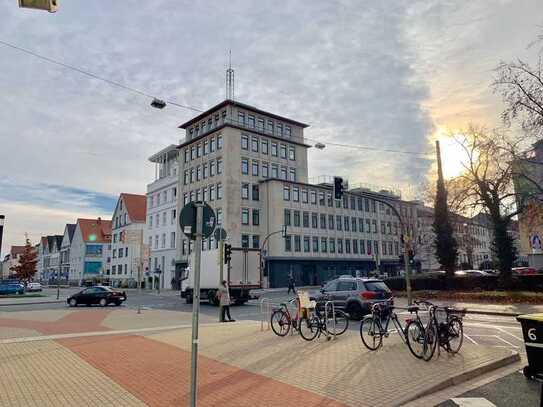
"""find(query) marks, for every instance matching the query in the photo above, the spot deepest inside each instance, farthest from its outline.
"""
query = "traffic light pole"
(196, 304)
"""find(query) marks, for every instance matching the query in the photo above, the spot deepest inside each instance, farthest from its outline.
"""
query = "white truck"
(242, 273)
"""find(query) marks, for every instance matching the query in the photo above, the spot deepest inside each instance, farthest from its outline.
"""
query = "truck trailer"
(242, 273)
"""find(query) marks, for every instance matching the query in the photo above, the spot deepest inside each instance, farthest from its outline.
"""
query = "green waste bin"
(532, 329)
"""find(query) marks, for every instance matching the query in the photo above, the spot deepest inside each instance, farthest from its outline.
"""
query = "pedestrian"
(291, 283)
(224, 298)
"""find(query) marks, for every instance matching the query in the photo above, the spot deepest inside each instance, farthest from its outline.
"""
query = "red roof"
(95, 230)
(136, 206)
(16, 250)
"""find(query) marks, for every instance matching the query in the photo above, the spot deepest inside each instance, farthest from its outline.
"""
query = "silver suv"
(355, 295)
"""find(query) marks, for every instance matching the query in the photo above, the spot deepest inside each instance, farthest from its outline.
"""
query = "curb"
(465, 376)
(495, 313)
(32, 303)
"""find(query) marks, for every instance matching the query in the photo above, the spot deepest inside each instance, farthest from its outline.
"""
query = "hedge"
(471, 283)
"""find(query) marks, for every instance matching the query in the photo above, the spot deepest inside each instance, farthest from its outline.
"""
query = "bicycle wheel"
(309, 328)
(341, 323)
(280, 323)
(370, 332)
(455, 335)
(414, 336)
(431, 338)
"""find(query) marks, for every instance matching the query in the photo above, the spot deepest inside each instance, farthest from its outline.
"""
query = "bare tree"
(521, 88)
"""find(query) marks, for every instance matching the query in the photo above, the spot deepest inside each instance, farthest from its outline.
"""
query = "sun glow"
(452, 153)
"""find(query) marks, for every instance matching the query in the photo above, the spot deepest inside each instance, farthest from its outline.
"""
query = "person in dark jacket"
(291, 282)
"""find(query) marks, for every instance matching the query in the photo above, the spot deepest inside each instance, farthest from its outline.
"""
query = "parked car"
(9, 287)
(33, 287)
(524, 271)
(100, 295)
(470, 273)
(354, 295)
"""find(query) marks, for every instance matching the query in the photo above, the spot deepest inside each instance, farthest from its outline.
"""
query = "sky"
(386, 74)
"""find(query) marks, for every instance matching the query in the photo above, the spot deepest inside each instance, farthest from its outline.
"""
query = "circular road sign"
(220, 234)
(187, 220)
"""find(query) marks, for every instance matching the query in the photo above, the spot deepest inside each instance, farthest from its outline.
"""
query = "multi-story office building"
(161, 227)
(90, 252)
(65, 251)
(128, 223)
(251, 167)
(474, 239)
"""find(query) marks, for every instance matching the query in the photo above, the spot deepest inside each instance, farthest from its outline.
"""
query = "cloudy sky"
(387, 74)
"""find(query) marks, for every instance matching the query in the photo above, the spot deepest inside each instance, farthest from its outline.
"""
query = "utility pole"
(2, 220)
(196, 303)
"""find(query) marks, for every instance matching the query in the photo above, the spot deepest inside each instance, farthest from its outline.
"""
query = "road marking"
(492, 326)
(469, 338)
(473, 402)
(508, 333)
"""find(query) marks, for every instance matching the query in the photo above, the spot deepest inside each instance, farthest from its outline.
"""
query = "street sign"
(220, 234)
(187, 220)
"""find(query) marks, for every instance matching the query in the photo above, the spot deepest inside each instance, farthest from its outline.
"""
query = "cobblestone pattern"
(45, 374)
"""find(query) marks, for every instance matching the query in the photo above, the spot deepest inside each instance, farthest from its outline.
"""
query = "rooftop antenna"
(230, 81)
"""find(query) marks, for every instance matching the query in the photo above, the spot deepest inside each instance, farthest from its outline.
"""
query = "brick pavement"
(238, 365)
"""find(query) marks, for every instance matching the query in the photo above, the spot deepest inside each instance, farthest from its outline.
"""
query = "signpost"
(197, 220)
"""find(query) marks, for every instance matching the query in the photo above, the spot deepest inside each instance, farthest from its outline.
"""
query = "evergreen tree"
(26, 268)
(445, 243)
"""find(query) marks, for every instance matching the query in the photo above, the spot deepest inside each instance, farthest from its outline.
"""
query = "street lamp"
(2, 219)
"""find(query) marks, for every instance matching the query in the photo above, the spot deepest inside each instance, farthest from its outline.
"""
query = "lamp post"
(2, 220)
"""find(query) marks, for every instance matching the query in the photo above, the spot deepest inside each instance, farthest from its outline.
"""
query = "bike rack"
(265, 312)
(333, 318)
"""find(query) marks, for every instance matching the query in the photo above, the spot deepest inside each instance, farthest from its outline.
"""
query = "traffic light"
(411, 256)
(338, 187)
(227, 253)
(47, 5)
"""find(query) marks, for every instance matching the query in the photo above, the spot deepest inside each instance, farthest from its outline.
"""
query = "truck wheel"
(188, 299)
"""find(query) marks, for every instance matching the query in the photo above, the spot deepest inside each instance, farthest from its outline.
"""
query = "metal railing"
(326, 304)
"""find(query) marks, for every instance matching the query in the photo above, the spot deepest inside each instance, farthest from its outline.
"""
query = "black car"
(100, 295)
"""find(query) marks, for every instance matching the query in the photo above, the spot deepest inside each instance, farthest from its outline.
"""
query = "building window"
(353, 224)
(206, 147)
(329, 200)
(256, 217)
(279, 129)
(283, 150)
(245, 241)
(359, 204)
(212, 168)
(172, 240)
(287, 131)
(339, 222)
(376, 247)
(348, 246)
(251, 121)
(332, 244)
(264, 146)
(114, 253)
(205, 172)
(306, 244)
(275, 171)
(346, 223)
(244, 142)
(219, 166)
(345, 202)
(353, 203)
(314, 221)
(284, 173)
(304, 196)
(256, 192)
(254, 144)
(211, 192)
(286, 218)
(292, 174)
(156, 242)
(212, 144)
(198, 173)
(256, 242)
(219, 142)
(297, 218)
(186, 153)
(323, 221)
(383, 231)
(315, 244)
(260, 124)
(291, 153)
(255, 168)
(331, 222)
(269, 126)
(185, 182)
(340, 245)
(198, 195)
(324, 245)
(305, 219)
(361, 225)
(244, 191)
(321, 199)
(295, 194)
(288, 244)
(241, 118)
(219, 191)
(362, 246)
(374, 224)
(373, 208)
(265, 170)
(244, 216)
(313, 198)
(198, 150)
(297, 244)
(366, 204)
(368, 225)
(245, 166)
(286, 193)
(274, 149)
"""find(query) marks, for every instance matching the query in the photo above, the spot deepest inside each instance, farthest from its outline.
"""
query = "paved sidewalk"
(238, 366)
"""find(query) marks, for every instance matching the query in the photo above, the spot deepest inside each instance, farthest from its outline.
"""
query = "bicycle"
(319, 323)
(372, 330)
(448, 334)
(281, 319)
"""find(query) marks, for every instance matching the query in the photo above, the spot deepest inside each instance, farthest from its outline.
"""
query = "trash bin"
(532, 330)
